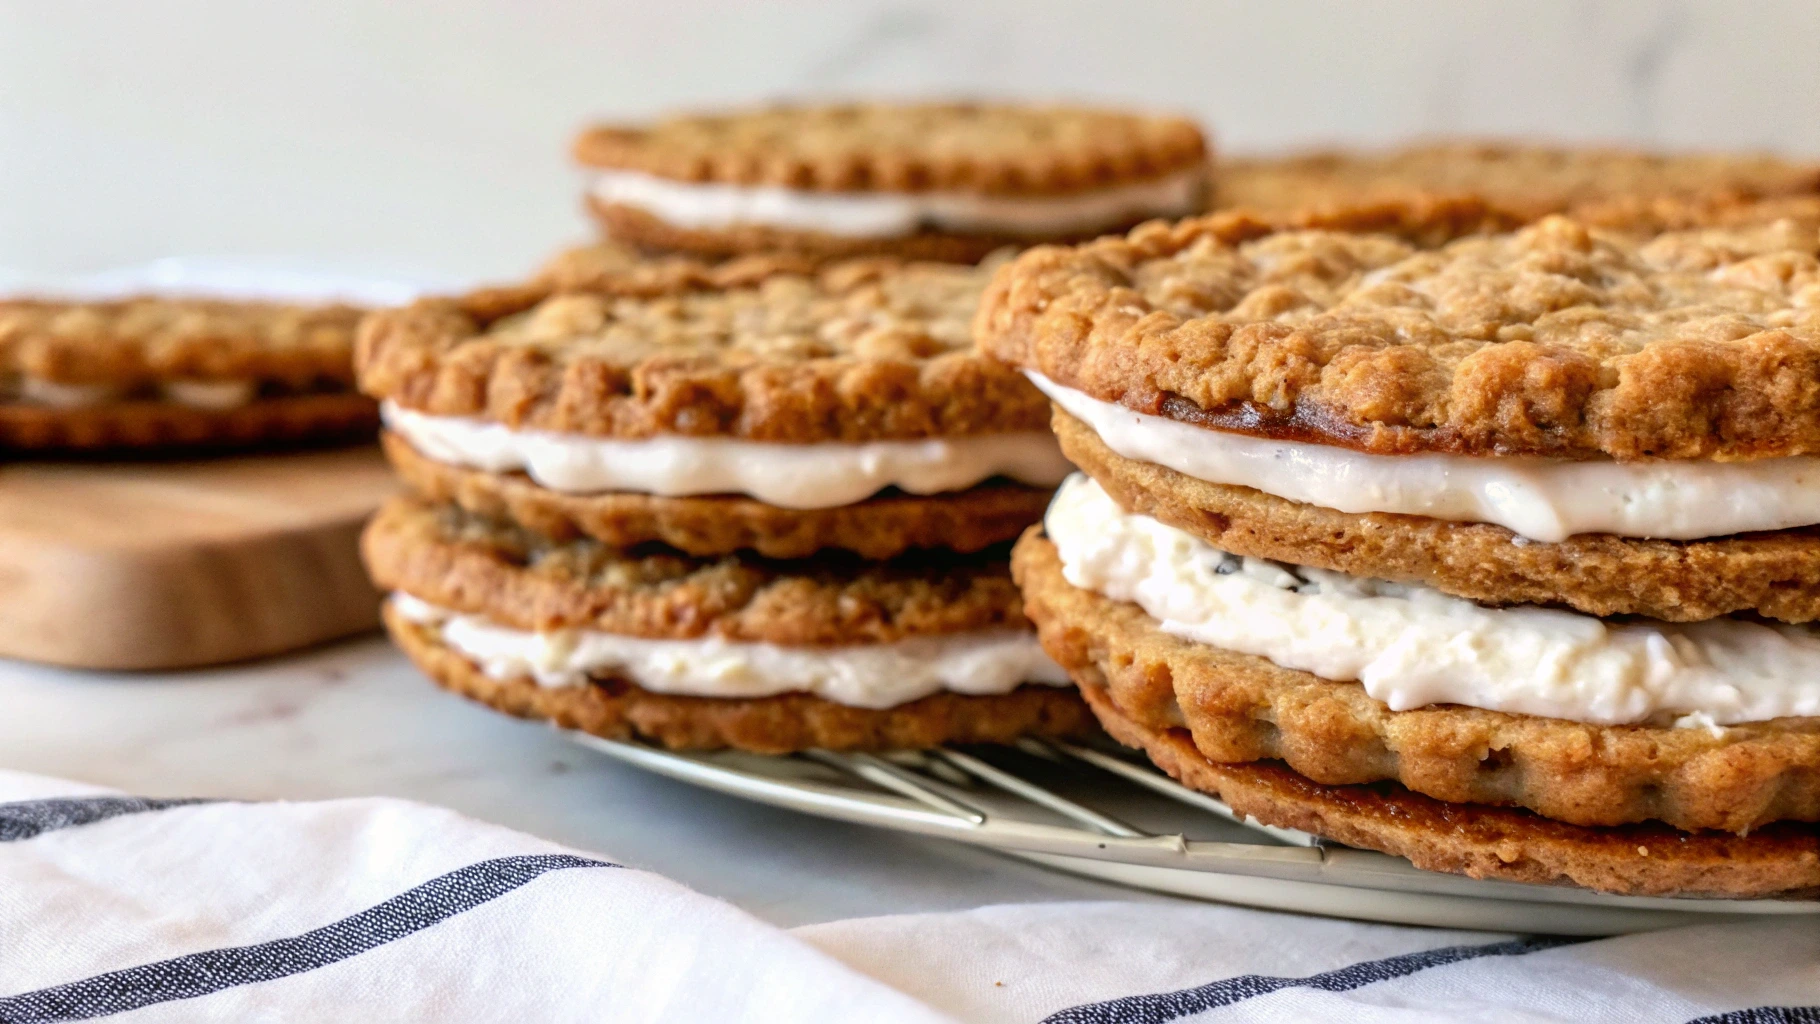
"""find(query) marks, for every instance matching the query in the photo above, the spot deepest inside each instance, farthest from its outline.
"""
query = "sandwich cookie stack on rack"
(719, 505)
(1494, 549)
(159, 373)
(1529, 181)
(926, 181)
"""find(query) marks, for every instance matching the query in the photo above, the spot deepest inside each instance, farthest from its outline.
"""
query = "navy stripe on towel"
(1168, 1006)
(1765, 1015)
(24, 819)
(200, 974)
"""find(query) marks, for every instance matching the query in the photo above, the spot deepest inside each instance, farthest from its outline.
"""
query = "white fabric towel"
(380, 910)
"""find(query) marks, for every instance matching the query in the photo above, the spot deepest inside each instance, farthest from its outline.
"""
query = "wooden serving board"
(160, 565)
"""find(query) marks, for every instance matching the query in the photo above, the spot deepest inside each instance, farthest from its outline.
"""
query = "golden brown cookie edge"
(1171, 144)
(614, 268)
(85, 342)
(1782, 861)
(1336, 178)
(155, 425)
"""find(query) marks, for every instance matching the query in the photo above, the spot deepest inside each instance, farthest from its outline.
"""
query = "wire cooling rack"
(1099, 812)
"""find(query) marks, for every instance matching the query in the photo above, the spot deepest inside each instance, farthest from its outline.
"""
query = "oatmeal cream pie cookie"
(781, 412)
(1529, 180)
(758, 508)
(167, 372)
(1516, 527)
(738, 651)
(950, 181)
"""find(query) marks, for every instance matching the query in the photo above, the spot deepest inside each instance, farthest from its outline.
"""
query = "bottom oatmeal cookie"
(1782, 860)
(616, 709)
(165, 425)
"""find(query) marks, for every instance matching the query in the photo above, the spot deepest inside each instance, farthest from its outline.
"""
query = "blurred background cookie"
(928, 181)
(154, 372)
(1527, 179)
(188, 465)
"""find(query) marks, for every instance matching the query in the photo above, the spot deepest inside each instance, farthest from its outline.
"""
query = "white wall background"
(429, 138)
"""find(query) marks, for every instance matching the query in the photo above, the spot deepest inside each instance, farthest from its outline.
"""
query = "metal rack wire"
(1049, 802)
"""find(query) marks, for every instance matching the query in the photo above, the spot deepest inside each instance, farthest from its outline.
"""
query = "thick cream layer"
(1541, 499)
(861, 675)
(707, 206)
(823, 475)
(1411, 646)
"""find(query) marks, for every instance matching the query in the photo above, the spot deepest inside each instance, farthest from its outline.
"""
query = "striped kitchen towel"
(378, 910)
(369, 910)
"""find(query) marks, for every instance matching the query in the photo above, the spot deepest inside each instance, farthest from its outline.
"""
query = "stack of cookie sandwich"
(1494, 549)
(747, 506)
(738, 477)
(153, 373)
(945, 181)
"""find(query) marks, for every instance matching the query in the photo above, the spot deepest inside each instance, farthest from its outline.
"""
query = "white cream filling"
(1412, 646)
(710, 206)
(861, 675)
(56, 395)
(823, 475)
(1541, 499)
(212, 395)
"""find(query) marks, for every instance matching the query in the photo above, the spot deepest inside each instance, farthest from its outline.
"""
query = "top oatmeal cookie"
(862, 350)
(991, 149)
(1559, 339)
(148, 340)
(1532, 181)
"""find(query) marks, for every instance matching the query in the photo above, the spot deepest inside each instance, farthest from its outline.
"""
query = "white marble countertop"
(356, 719)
